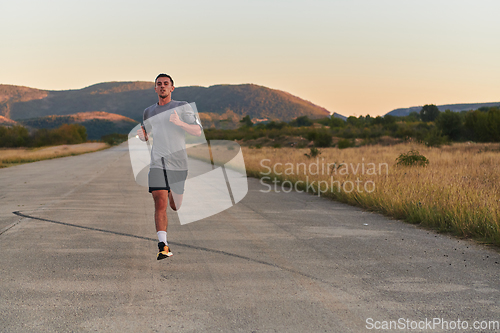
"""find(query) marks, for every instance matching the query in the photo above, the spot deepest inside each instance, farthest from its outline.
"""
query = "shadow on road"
(18, 213)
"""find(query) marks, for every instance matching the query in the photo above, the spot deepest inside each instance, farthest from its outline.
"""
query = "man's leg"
(175, 200)
(161, 221)
(176, 180)
(160, 198)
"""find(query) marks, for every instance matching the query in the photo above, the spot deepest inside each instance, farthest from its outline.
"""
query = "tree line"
(19, 136)
(429, 126)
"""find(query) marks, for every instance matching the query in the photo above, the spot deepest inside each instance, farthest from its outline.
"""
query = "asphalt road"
(78, 253)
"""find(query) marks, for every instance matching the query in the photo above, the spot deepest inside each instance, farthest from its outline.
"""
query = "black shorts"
(160, 179)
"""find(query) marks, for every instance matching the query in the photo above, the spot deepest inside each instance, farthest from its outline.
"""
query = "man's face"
(163, 87)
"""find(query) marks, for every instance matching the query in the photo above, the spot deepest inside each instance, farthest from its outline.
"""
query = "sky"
(353, 57)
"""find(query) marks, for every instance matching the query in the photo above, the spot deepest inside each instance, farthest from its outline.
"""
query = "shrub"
(434, 138)
(114, 138)
(313, 152)
(16, 136)
(336, 122)
(345, 143)
(65, 134)
(323, 139)
(411, 158)
(301, 122)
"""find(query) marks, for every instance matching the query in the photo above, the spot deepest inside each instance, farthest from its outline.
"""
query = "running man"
(164, 125)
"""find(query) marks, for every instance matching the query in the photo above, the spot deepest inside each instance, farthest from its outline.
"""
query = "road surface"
(78, 253)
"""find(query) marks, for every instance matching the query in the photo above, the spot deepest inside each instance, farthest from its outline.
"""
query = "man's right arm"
(141, 133)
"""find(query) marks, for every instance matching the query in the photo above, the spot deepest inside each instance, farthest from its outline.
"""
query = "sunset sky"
(351, 57)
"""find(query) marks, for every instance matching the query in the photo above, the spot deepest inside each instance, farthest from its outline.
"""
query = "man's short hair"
(164, 75)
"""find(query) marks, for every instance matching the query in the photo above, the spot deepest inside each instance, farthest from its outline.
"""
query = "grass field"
(15, 156)
(458, 192)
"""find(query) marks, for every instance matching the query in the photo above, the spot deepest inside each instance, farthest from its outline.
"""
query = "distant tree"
(450, 124)
(65, 134)
(16, 136)
(353, 121)
(345, 143)
(413, 116)
(434, 138)
(114, 138)
(388, 119)
(476, 123)
(483, 125)
(301, 121)
(336, 122)
(494, 124)
(274, 125)
(429, 112)
(324, 121)
(320, 138)
(246, 121)
(378, 120)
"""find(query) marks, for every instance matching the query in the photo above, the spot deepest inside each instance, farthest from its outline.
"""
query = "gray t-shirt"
(168, 140)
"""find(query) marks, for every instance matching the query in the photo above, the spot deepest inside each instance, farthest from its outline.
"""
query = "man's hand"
(141, 133)
(192, 129)
(174, 118)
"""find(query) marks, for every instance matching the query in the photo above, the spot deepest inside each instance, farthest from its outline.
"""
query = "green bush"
(336, 122)
(412, 158)
(301, 122)
(313, 152)
(65, 134)
(16, 136)
(321, 139)
(345, 143)
(434, 138)
(114, 138)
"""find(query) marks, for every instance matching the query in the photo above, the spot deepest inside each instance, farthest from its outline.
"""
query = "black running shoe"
(164, 251)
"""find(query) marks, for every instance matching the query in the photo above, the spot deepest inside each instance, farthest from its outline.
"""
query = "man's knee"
(160, 199)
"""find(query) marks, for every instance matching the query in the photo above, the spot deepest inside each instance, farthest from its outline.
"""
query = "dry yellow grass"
(458, 192)
(16, 156)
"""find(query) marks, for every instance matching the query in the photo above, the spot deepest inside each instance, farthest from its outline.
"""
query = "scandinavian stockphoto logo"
(216, 175)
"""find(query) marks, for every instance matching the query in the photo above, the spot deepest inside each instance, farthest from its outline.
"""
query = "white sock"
(162, 237)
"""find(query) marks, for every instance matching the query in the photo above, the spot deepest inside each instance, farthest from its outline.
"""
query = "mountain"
(7, 122)
(97, 123)
(129, 99)
(249, 99)
(10, 95)
(453, 107)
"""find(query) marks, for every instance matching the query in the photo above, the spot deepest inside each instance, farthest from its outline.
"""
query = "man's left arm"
(193, 129)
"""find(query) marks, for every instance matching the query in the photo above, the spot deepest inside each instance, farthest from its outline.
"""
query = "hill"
(97, 123)
(249, 99)
(453, 107)
(129, 99)
(7, 122)
(16, 94)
